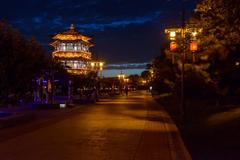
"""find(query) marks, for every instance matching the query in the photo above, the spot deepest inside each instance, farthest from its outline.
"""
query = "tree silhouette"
(21, 60)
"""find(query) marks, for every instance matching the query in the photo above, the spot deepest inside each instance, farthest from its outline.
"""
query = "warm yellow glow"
(69, 37)
(172, 34)
(72, 54)
(193, 46)
(121, 76)
(194, 34)
(97, 65)
(173, 46)
(77, 71)
(85, 55)
(176, 30)
(144, 81)
(126, 80)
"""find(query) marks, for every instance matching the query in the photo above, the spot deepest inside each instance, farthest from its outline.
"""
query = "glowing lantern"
(194, 34)
(193, 46)
(172, 35)
(173, 46)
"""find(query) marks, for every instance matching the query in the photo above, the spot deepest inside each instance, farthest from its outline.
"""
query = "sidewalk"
(171, 137)
(26, 119)
(124, 128)
(20, 118)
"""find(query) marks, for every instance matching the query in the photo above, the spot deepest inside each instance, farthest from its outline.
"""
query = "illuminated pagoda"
(71, 48)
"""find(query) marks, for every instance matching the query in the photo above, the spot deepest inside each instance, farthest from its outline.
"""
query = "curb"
(16, 119)
(177, 147)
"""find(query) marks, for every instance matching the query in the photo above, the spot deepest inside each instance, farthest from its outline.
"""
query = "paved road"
(130, 127)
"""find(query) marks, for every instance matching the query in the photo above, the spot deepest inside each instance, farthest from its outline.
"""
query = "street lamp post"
(182, 108)
(183, 31)
(101, 68)
(121, 78)
(97, 66)
(174, 34)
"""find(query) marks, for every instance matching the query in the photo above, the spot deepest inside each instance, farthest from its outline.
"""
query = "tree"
(134, 79)
(146, 75)
(21, 60)
(164, 76)
(220, 20)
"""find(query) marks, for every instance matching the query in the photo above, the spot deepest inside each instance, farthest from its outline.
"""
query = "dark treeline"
(21, 60)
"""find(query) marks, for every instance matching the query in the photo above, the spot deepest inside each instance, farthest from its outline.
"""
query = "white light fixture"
(194, 34)
(172, 34)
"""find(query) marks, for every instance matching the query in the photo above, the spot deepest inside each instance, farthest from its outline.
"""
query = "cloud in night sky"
(122, 30)
(124, 22)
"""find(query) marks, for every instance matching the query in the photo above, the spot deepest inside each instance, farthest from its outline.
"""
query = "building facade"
(72, 50)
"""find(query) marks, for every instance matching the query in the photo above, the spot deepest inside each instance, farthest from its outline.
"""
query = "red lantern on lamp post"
(173, 46)
(193, 46)
(193, 49)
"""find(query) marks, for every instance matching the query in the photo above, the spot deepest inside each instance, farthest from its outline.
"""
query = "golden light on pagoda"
(92, 64)
(76, 72)
(71, 49)
(71, 35)
(70, 55)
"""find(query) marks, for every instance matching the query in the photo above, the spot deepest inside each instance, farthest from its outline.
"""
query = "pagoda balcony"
(78, 71)
(72, 55)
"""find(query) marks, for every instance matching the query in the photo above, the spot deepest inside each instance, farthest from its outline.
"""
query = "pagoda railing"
(71, 55)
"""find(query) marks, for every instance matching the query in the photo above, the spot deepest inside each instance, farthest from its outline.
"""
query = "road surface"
(132, 127)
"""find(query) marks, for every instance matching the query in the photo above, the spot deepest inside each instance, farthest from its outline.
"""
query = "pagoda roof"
(71, 35)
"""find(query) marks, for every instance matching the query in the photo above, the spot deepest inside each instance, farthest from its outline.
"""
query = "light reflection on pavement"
(124, 128)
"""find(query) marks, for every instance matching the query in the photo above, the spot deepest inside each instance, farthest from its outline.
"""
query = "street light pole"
(182, 103)
(184, 33)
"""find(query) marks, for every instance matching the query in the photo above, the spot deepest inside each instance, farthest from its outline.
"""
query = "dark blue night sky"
(123, 30)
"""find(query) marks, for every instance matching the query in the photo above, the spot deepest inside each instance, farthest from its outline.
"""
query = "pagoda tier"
(71, 35)
(71, 55)
(72, 50)
(77, 71)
